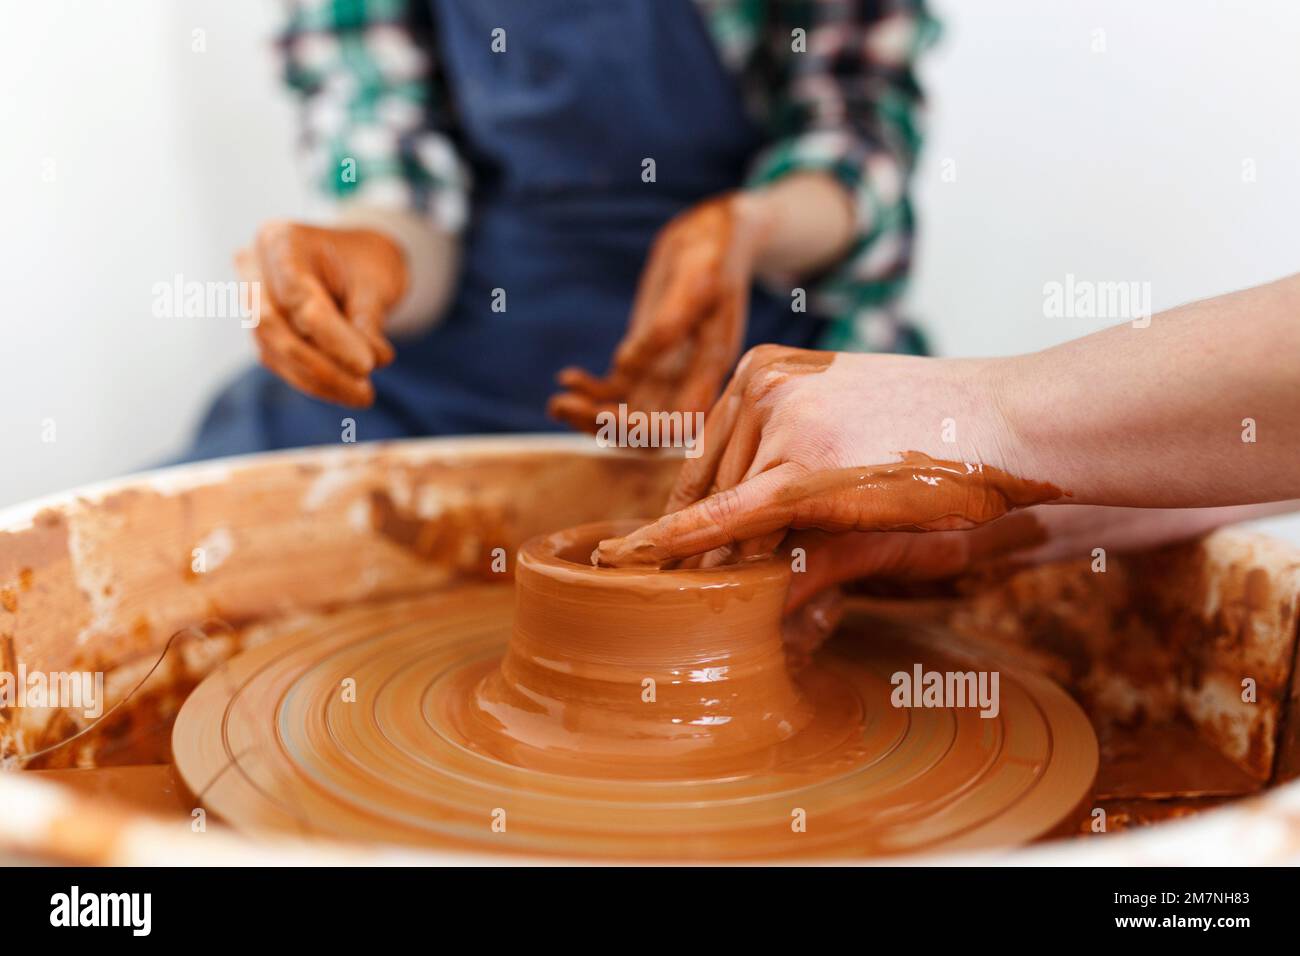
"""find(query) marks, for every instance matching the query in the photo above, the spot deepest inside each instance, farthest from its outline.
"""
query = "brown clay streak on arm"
(918, 493)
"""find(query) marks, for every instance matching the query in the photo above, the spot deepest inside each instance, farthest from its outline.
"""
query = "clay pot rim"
(557, 552)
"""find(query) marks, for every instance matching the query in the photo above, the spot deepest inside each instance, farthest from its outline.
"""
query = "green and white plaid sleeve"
(847, 104)
(376, 128)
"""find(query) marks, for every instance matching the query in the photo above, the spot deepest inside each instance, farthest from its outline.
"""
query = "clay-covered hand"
(901, 557)
(688, 319)
(324, 296)
(838, 442)
(814, 604)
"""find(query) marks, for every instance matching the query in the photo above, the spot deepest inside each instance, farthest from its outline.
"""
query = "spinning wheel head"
(621, 713)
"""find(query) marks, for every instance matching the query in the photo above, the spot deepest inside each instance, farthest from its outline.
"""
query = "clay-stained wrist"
(432, 264)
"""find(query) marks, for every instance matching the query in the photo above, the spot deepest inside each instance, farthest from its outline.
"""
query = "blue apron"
(555, 130)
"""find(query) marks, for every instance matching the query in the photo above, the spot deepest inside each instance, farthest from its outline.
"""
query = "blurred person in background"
(514, 179)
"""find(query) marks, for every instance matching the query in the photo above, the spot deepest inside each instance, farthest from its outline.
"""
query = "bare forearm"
(804, 223)
(1074, 531)
(1199, 409)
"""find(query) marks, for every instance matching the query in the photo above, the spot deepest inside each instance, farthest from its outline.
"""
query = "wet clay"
(628, 674)
(620, 714)
(917, 493)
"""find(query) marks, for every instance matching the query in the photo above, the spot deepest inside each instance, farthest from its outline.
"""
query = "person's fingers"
(698, 388)
(302, 366)
(299, 372)
(830, 559)
(366, 311)
(764, 544)
(713, 559)
(253, 302)
(246, 265)
(300, 377)
(806, 628)
(737, 467)
(654, 276)
(308, 306)
(583, 397)
(653, 393)
(649, 390)
(786, 496)
(381, 347)
(586, 395)
(826, 560)
(761, 459)
(284, 352)
(637, 353)
(579, 380)
(313, 313)
(687, 297)
(577, 411)
(717, 343)
(759, 463)
(752, 509)
(693, 286)
(738, 459)
(649, 290)
(697, 474)
(834, 559)
(656, 386)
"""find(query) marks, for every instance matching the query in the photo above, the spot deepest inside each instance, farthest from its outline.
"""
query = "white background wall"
(1125, 164)
(164, 161)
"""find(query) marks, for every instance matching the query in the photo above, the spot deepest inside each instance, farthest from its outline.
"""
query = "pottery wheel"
(353, 727)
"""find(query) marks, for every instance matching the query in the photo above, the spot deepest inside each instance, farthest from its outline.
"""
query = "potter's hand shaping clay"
(1163, 412)
(690, 313)
(688, 320)
(838, 442)
(324, 296)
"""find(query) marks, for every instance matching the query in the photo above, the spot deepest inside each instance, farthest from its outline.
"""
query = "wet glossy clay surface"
(626, 714)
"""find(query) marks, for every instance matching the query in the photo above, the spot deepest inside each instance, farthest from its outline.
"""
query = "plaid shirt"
(831, 81)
